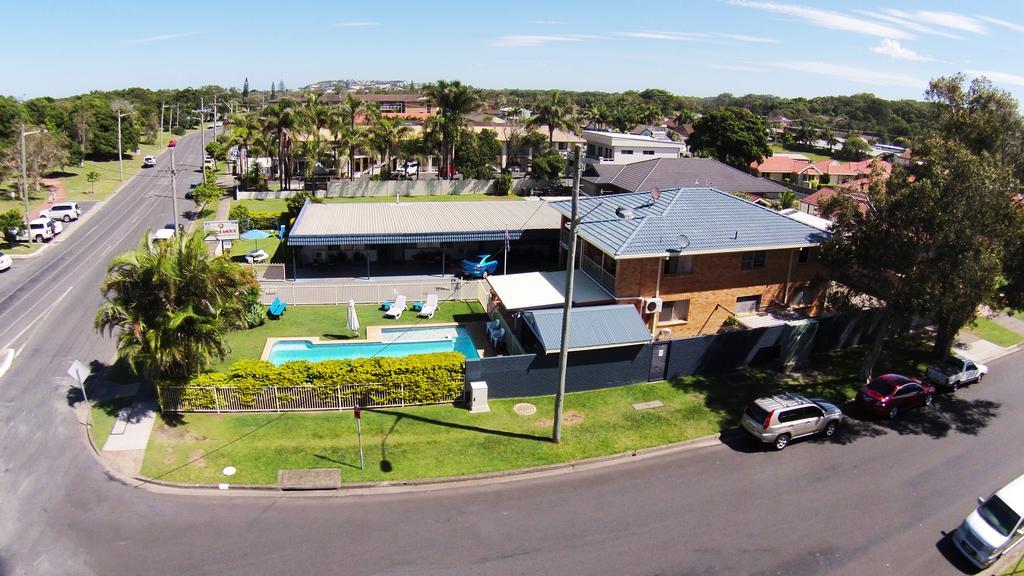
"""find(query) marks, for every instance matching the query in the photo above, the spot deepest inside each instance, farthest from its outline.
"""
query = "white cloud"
(861, 75)
(1011, 25)
(745, 38)
(159, 38)
(695, 36)
(949, 20)
(892, 49)
(732, 67)
(827, 18)
(547, 22)
(539, 39)
(902, 23)
(999, 77)
(357, 24)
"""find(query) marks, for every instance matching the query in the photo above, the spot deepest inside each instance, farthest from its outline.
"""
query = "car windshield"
(999, 515)
(883, 387)
(953, 362)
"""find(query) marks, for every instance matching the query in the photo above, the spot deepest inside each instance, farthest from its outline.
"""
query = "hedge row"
(416, 379)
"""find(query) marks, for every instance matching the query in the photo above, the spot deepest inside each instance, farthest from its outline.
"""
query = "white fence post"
(277, 399)
(216, 401)
(337, 390)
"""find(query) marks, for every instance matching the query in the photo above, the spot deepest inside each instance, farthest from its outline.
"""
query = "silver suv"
(778, 419)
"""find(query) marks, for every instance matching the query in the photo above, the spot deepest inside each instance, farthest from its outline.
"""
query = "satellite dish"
(683, 242)
(655, 193)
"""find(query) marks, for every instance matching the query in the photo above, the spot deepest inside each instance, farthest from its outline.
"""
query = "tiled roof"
(667, 173)
(590, 327)
(390, 223)
(790, 165)
(685, 221)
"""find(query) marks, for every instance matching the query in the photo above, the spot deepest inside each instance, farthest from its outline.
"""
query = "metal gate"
(659, 362)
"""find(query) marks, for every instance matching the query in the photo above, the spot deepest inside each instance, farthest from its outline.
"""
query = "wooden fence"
(286, 398)
(331, 292)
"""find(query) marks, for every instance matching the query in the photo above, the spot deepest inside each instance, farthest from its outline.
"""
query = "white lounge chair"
(396, 309)
(429, 308)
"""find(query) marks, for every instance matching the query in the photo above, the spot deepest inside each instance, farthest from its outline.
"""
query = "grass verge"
(989, 330)
(814, 156)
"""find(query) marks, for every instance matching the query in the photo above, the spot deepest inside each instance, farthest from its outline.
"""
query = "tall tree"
(171, 306)
(734, 136)
(245, 90)
(279, 119)
(454, 100)
(386, 134)
(556, 112)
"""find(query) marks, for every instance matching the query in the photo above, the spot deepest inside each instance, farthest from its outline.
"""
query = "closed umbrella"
(256, 235)
(353, 320)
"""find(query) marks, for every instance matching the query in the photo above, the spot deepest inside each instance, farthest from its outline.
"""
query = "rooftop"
(590, 327)
(685, 221)
(668, 173)
(544, 289)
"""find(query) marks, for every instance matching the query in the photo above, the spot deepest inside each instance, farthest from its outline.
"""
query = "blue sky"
(688, 47)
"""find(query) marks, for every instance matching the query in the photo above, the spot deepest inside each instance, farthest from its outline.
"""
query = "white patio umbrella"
(353, 320)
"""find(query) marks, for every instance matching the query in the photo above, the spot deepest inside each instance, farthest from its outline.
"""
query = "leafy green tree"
(478, 154)
(11, 115)
(556, 112)
(296, 201)
(548, 165)
(206, 193)
(245, 90)
(278, 121)
(787, 200)
(13, 218)
(454, 101)
(92, 177)
(171, 306)
(855, 148)
(386, 135)
(733, 135)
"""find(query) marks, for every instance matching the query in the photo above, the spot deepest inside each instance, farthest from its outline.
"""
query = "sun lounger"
(428, 309)
(396, 309)
(276, 308)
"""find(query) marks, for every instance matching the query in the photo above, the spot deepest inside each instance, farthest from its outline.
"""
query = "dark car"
(479, 266)
(890, 394)
(191, 187)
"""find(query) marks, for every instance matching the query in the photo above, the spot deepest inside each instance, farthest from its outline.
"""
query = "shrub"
(504, 184)
(240, 213)
(178, 131)
(266, 220)
(255, 313)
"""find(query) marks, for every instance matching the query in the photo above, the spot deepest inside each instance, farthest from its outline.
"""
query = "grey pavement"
(1011, 323)
(132, 427)
(879, 499)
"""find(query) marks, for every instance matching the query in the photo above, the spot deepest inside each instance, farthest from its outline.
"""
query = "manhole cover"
(525, 409)
(229, 471)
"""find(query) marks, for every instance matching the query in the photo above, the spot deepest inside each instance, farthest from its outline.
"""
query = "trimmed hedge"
(416, 379)
(266, 220)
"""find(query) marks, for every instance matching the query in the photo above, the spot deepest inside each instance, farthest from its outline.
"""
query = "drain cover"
(229, 471)
(525, 409)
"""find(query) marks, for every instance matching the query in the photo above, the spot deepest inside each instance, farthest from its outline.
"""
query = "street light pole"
(563, 353)
(174, 195)
(24, 177)
(120, 161)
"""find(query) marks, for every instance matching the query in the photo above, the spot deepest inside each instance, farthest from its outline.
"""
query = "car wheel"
(781, 441)
(980, 376)
(893, 412)
(955, 386)
(39, 239)
(66, 218)
(483, 274)
(830, 430)
(928, 400)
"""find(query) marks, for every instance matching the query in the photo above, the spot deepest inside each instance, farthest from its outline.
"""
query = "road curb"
(423, 485)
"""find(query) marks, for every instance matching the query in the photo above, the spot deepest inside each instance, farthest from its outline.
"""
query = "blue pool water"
(395, 342)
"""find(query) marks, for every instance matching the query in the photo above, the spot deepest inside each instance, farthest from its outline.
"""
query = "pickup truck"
(955, 371)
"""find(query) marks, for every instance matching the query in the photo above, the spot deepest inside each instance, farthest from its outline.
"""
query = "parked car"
(890, 394)
(954, 371)
(209, 162)
(189, 194)
(65, 211)
(38, 230)
(5, 262)
(56, 227)
(165, 233)
(995, 527)
(148, 162)
(409, 169)
(480, 266)
(778, 419)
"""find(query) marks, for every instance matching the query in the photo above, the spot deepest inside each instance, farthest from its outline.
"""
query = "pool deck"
(373, 334)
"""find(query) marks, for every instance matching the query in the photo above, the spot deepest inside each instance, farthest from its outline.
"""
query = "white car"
(163, 234)
(5, 262)
(65, 211)
(56, 226)
(409, 168)
(148, 162)
(995, 527)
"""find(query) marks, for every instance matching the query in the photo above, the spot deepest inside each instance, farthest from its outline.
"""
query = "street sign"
(79, 371)
(221, 229)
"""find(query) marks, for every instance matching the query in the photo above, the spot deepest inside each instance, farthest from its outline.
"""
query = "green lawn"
(329, 322)
(989, 330)
(814, 156)
(239, 248)
(279, 204)
(444, 440)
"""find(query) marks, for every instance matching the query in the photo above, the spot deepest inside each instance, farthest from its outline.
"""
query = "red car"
(890, 394)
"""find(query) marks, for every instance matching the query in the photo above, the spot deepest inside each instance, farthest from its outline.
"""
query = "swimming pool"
(394, 342)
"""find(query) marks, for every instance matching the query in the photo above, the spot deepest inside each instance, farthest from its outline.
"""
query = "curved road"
(877, 501)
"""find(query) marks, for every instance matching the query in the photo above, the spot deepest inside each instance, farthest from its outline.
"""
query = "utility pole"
(202, 134)
(24, 184)
(174, 195)
(120, 161)
(162, 106)
(214, 116)
(563, 354)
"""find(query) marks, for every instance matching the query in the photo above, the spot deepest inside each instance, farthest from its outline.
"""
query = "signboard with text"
(221, 229)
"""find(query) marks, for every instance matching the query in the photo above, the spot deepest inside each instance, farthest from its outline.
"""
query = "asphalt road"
(877, 500)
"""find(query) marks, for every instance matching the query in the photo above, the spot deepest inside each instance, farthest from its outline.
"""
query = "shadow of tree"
(949, 414)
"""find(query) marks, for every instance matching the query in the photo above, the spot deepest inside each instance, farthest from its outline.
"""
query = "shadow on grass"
(338, 462)
(399, 415)
(472, 317)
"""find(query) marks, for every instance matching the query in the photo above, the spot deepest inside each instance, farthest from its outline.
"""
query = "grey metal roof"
(667, 173)
(590, 327)
(390, 223)
(686, 221)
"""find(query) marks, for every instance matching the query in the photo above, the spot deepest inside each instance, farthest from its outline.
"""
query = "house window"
(629, 152)
(648, 152)
(753, 260)
(804, 256)
(678, 265)
(563, 145)
(747, 304)
(678, 311)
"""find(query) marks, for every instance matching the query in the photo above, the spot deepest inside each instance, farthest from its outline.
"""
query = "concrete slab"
(309, 479)
(980, 350)
(137, 429)
(121, 423)
(647, 405)
(126, 462)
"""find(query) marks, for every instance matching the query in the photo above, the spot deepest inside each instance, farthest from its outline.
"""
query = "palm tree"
(279, 119)
(172, 305)
(386, 135)
(454, 100)
(346, 136)
(597, 114)
(555, 112)
(245, 129)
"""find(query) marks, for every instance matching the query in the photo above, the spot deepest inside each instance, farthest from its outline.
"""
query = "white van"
(995, 527)
(39, 229)
(66, 211)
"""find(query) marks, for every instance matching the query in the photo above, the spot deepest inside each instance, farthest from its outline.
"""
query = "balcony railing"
(595, 271)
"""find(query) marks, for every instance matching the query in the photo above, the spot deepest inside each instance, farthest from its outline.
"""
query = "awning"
(590, 327)
(544, 290)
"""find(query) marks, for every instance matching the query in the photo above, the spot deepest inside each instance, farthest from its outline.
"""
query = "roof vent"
(624, 213)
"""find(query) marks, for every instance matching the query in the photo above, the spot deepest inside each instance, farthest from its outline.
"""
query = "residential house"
(392, 104)
(690, 258)
(563, 141)
(665, 173)
(811, 204)
(800, 171)
(618, 148)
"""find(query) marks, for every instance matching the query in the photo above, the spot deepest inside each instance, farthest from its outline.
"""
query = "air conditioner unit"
(652, 305)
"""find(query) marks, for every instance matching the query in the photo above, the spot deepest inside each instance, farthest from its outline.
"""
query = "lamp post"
(120, 161)
(174, 198)
(24, 177)
(563, 353)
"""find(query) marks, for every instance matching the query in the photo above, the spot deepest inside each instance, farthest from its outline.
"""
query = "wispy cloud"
(1011, 25)
(861, 75)
(903, 23)
(695, 36)
(355, 24)
(539, 39)
(893, 49)
(950, 20)
(999, 77)
(547, 22)
(828, 18)
(732, 67)
(160, 38)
